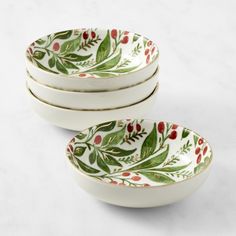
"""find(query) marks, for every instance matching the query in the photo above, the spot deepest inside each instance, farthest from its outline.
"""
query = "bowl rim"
(29, 76)
(68, 77)
(155, 90)
(95, 180)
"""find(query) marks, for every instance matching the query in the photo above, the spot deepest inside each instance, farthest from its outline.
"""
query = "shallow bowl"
(93, 100)
(81, 119)
(139, 163)
(92, 59)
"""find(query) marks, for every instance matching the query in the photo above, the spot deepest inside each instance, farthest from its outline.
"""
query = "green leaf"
(103, 165)
(40, 41)
(85, 167)
(70, 45)
(185, 133)
(69, 65)
(63, 34)
(157, 177)
(108, 64)
(79, 151)
(153, 162)
(104, 49)
(124, 70)
(52, 62)
(92, 157)
(107, 126)
(80, 136)
(111, 161)
(172, 169)
(39, 55)
(195, 139)
(76, 57)
(45, 68)
(113, 138)
(119, 152)
(104, 74)
(61, 68)
(149, 144)
(136, 37)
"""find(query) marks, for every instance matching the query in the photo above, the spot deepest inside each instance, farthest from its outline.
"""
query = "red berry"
(82, 74)
(173, 135)
(71, 147)
(125, 174)
(138, 127)
(146, 185)
(153, 49)
(113, 182)
(146, 51)
(30, 50)
(125, 40)
(114, 33)
(130, 127)
(197, 151)
(85, 35)
(205, 150)
(161, 127)
(148, 59)
(136, 178)
(98, 139)
(126, 32)
(149, 43)
(56, 46)
(174, 126)
(199, 158)
(200, 141)
(93, 34)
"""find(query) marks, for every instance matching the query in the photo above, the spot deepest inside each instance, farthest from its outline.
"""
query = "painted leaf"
(153, 162)
(79, 151)
(185, 133)
(135, 38)
(195, 139)
(40, 41)
(119, 152)
(103, 165)
(69, 65)
(44, 68)
(114, 138)
(107, 126)
(39, 55)
(157, 177)
(63, 34)
(104, 49)
(70, 45)
(172, 169)
(104, 74)
(61, 68)
(125, 70)
(52, 62)
(85, 167)
(109, 64)
(149, 144)
(111, 161)
(92, 157)
(76, 57)
(80, 135)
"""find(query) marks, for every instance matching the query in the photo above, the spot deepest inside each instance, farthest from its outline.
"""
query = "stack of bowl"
(78, 78)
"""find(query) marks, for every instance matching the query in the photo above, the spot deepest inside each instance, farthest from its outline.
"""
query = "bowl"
(139, 163)
(92, 59)
(80, 119)
(93, 100)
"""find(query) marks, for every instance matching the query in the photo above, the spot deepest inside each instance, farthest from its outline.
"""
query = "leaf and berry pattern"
(139, 153)
(92, 53)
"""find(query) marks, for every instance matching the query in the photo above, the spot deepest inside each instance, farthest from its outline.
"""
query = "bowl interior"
(92, 53)
(139, 153)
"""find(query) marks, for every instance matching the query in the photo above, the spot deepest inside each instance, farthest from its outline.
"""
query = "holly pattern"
(139, 153)
(92, 52)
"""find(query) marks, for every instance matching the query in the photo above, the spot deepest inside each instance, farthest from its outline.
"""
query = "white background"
(197, 41)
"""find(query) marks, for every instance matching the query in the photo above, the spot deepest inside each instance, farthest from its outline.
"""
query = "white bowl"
(81, 119)
(139, 163)
(92, 59)
(93, 100)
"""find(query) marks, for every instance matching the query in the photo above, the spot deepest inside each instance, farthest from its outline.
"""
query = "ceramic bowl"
(139, 163)
(93, 100)
(81, 119)
(92, 59)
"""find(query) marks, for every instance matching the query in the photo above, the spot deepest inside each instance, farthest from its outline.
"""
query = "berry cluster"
(123, 40)
(201, 150)
(161, 128)
(150, 48)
